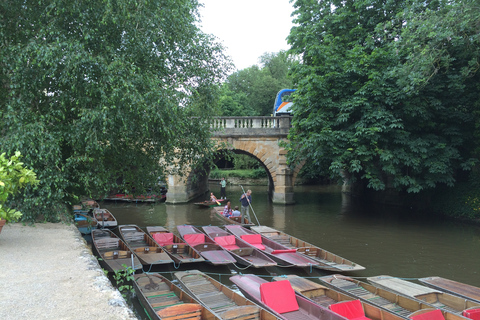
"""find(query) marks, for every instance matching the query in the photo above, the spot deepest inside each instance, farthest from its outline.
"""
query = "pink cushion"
(472, 313)
(253, 239)
(194, 238)
(431, 315)
(279, 296)
(284, 251)
(349, 309)
(163, 238)
(228, 242)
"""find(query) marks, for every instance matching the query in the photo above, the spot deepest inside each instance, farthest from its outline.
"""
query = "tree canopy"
(252, 91)
(388, 91)
(98, 92)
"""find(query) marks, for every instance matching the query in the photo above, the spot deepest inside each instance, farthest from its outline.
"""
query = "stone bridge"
(257, 137)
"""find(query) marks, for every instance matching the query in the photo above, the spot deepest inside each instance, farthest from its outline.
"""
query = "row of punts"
(233, 244)
(334, 297)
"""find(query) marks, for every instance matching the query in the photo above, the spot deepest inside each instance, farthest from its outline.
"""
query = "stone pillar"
(177, 189)
(283, 191)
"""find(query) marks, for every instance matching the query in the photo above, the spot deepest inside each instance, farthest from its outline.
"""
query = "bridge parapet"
(251, 126)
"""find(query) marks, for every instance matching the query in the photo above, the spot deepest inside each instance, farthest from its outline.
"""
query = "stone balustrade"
(255, 126)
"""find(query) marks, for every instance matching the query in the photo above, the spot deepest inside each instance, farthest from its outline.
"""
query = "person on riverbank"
(245, 201)
(227, 211)
(223, 186)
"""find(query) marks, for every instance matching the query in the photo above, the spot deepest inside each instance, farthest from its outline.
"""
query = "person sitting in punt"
(227, 211)
(236, 212)
(212, 198)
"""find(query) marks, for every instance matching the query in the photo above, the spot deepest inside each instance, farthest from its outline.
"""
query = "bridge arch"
(258, 137)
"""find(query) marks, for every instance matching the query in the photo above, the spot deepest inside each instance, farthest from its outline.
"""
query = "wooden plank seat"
(242, 313)
(146, 250)
(184, 311)
(118, 254)
(103, 243)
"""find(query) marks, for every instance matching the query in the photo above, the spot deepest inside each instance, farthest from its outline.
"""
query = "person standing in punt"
(223, 186)
(245, 201)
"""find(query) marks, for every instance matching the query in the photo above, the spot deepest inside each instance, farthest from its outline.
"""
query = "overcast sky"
(248, 28)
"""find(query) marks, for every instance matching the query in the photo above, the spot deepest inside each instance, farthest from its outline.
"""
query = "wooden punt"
(279, 253)
(85, 223)
(254, 288)
(326, 297)
(90, 204)
(325, 259)
(434, 297)
(164, 300)
(174, 246)
(244, 253)
(452, 287)
(219, 299)
(113, 252)
(204, 246)
(105, 218)
(388, 300)
(146, 249)
(211, 204)
(218, 211)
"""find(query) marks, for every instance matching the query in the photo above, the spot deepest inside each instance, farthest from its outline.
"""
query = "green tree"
(386, 89)
(252, 90)
(96, 92)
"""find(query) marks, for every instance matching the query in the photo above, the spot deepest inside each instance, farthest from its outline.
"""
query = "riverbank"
(49, 272)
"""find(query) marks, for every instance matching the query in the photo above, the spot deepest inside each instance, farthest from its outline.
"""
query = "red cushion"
(252, 238)
(284, 251)
(349, 309)
(194, 238)
(228, 242)
(472, 313)
(431, 315)
(258, 246)
(279, 296)
(163, 238)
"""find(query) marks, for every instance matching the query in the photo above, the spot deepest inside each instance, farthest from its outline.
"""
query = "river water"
(385, 240)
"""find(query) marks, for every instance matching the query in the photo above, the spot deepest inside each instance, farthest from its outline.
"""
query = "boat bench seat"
(115, 255)
(227, 242)
(279, 296)
(253, 239)
(181, 311)
(194, 238)
(146, 249)
(352, 310)
(107, 243)
(427, 314)
(473, 313)
(134, 236)
(163, 239)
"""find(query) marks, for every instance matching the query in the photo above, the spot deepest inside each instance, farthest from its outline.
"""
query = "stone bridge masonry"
(257, 137)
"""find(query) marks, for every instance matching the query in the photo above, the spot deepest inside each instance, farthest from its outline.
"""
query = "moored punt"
(219, 299)
(452, 287)
(146, 249)
(279, 253)
(164, 300)
(211, 204)
(332, 299)
(218, 211)
(434, 297)
(174, 246)
(244, 253)
(90, 204)
(114, 253)
(325, 260)
(386, 299)
(105, 218)
(280, 298)
(204, 246)
(85, 223)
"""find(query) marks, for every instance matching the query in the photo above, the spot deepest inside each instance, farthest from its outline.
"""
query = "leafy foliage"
(123, 279)
(387, 90)
(96, 93)
(13, 178)
(252, 91)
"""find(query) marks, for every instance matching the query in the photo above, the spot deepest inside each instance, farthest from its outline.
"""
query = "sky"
(248, 28)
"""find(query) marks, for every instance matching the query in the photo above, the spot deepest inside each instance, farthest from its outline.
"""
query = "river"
(385, 240)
